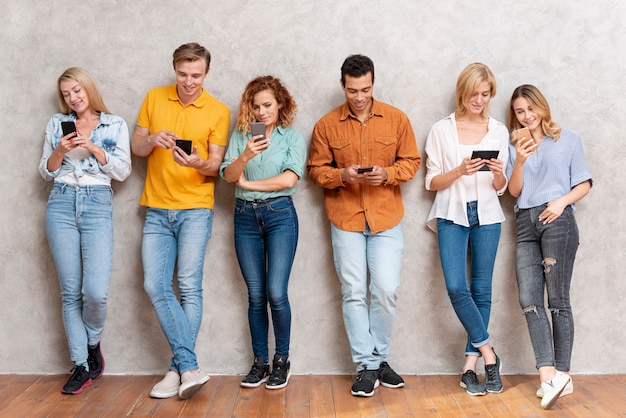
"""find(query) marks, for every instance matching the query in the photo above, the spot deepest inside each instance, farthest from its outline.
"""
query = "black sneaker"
(365, 383)
(80, 380)
(388, 377)
(257, 375)
(493, 382)
(279, 377)
(469, 382)
(95, 361)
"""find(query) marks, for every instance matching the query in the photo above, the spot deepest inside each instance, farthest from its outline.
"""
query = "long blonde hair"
(87, 83)
(539, 105)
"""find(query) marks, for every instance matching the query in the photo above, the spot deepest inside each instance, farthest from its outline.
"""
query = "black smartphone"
(258, 128)
(484, 155)
(68, 127)
(362, 170)
(185, 145)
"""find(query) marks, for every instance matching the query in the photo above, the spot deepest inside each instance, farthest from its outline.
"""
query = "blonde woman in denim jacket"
(79, 216)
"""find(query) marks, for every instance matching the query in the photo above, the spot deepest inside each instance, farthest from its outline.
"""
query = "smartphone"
(185, 145)
(484, 155)
(522, 133)
(68, 127)
(362, 170)
(258, 128)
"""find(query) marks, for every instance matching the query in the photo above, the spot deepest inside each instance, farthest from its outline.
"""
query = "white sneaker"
(167, 387)
(191, 381)
(569, 389)
(552, 389)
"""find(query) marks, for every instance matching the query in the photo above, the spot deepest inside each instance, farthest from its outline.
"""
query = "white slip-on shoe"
(191, 381)
(569, 389)
(167, 387)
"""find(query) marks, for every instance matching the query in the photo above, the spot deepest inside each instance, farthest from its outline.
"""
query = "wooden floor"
(306, 396)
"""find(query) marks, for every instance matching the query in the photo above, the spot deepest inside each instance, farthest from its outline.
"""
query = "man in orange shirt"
(360, 154)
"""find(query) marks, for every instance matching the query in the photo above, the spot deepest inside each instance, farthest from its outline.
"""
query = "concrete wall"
(573, 53)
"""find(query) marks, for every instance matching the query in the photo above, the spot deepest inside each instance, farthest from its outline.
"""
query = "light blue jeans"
(79, 227)
(168, 236)
(471, 301)
(368, 321)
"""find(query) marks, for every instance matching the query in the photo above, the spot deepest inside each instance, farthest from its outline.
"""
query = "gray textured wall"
(574, 54)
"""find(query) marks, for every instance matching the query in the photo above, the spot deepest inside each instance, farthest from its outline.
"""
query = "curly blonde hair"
(286, 103)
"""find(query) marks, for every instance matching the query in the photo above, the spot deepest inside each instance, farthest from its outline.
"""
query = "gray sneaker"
(469, 382)
(493, 381)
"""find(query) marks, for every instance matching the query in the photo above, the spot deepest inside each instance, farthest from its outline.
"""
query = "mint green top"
(287, 151)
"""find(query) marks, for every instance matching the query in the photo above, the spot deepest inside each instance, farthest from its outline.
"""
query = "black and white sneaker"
(258, 373)
(279, 377)
(469, 382)
(78, 382)
(388, 377)
(95, 361)
(493, 381)
(365, 383)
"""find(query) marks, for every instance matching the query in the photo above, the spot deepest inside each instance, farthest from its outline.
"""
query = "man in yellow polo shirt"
(179, 196)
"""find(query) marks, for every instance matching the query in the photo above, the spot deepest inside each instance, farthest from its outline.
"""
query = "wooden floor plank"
(316, 396)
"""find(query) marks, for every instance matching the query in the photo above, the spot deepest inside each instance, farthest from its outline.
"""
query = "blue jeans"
(544, 258)
(79, 227)
(471, 302)
(368, 323)
(266, 236)
(168, 236)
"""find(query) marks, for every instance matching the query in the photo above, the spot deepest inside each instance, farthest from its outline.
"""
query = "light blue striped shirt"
(551, 171)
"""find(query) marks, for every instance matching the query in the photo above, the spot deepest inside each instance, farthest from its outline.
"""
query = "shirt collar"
(376, 110)
(199, 102)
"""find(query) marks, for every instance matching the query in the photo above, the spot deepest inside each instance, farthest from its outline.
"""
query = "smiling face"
(75, 96)
(527, 116)
(478, 101)
(189, 78)
(266, 108)
(358, 91)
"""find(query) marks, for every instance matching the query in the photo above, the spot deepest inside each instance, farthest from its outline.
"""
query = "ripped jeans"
(544, 259)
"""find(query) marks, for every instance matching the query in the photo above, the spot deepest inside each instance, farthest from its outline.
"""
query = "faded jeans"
(176, 238)
(79, 228)
(368, 322)
(544, 259)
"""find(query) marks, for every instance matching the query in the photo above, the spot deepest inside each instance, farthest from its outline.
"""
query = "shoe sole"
(272, 387)
(163, 395)
(79, 390)
(464, 386)
(253, 385)
(365, 394)
(389, 385)
(189, 391)
(547, 404)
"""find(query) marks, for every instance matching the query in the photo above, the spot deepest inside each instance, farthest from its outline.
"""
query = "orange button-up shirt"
(340, 140)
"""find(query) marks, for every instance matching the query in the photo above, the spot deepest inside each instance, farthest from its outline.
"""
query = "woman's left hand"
(495, 166)
(553, 211)
(242, 181)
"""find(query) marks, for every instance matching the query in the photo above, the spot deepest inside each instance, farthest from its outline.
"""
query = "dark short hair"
(356, 66)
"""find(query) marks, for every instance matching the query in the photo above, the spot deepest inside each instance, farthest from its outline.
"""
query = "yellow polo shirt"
(206, 120)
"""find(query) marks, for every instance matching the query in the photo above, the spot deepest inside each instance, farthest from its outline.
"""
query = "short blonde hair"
(468, 82)
(87, 83)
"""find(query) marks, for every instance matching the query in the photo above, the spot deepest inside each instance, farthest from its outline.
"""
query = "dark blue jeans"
(471, 302)
(266, 236)
(544, 259)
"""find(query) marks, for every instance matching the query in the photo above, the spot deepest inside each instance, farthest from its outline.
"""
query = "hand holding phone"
(484, 155)
(258, 128)
(362, 170)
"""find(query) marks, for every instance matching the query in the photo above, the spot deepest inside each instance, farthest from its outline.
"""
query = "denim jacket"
(111, 134)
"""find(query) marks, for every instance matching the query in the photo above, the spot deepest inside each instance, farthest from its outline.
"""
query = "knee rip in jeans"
(530, 309)
(547, 264)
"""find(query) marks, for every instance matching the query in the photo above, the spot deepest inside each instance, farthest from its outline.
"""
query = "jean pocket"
(102, 197)
(280, 205)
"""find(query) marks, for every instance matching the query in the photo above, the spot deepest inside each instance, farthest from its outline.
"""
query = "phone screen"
(185, 145)
(68, 127)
